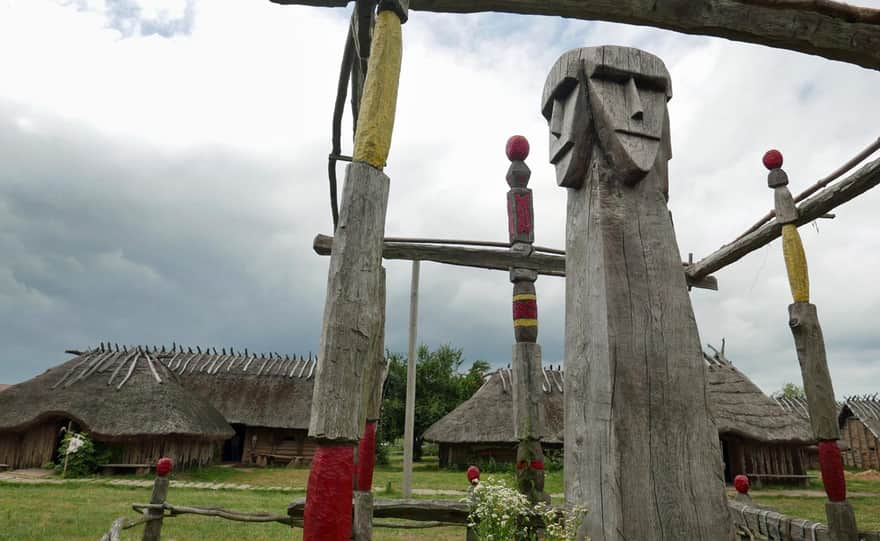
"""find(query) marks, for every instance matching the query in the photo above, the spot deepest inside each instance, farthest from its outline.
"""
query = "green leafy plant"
(83, 458)
(499, 512)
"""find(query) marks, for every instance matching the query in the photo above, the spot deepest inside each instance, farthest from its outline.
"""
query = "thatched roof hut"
(860, 428)
(125, 398)
(758, 436)
(149, 402)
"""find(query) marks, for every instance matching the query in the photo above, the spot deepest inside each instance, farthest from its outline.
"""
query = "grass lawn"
(80, 511)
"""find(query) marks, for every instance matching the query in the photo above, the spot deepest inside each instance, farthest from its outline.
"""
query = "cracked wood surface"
(833, 30)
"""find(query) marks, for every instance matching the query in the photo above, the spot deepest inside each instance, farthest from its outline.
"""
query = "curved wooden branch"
(217, 512)
(833, 30)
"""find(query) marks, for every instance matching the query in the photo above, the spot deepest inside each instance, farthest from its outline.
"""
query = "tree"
(790, 390)
(440, 387)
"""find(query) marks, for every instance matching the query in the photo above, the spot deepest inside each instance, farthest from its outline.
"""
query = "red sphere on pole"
(473, 474)
(772, 159)
(741, 483)
(517, 148)
(163, 466)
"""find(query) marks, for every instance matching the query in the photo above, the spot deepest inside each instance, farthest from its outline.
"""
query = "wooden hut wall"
(30, 448)
(864, 447)
(765, 462)
(277, 445)
(463, 454)
(185, 452)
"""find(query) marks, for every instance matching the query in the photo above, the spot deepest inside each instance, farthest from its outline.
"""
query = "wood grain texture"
(482, 258)
(810, 344)
(528, 376)
(641, 448)
(829, 29)
(362, 526)
(867, 177)
(153, 528)
(372, 141)
(641, 451)
(352, 312)
(376, 364)
(841, 521)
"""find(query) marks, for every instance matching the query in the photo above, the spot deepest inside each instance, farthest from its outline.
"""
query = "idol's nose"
(556, 118)
(633, 102)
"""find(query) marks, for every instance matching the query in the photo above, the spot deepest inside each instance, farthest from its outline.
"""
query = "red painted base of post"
(831, 464)
(327, 514)
(366, 458)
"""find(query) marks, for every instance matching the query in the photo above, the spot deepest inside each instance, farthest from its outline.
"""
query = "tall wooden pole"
(526, 359)
(810, 344)
(352, 312)
(153, 528)
(410, 416)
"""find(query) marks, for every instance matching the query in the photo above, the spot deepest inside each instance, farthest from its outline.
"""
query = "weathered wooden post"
(362, 529)
(409, 421)
(810, 344)
(641, 450)
(153, 527)
(473, 477)
(352, 313)
(526, 364)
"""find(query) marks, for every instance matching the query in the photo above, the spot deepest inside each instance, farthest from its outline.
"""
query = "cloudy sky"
(163, 174)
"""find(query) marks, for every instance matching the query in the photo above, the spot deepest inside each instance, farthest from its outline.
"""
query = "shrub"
(84, 460)
(383, 454)
(499, 512)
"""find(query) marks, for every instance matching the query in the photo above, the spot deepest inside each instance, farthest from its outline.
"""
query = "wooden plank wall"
(864, 448)
(263, 446)
(29, 449)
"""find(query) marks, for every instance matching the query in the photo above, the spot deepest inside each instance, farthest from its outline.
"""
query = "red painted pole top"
(741, 483)
(473, 474)
(163, 466)
(772, 159)
(517, 148)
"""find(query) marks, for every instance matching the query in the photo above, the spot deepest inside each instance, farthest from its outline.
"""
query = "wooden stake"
(410, 418)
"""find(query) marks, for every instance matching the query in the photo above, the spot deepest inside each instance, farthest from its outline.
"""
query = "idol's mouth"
(639, 134)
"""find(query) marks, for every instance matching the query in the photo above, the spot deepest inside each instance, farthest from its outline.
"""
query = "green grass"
(80, 511)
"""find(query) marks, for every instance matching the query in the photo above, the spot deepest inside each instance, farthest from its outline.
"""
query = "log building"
(860, 429)
(758, 437)
(140, 403)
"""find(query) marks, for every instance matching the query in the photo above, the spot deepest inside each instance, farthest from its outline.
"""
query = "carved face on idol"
(613, 96)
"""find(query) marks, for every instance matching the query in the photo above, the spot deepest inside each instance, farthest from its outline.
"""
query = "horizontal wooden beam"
(833, 30)
(481, 258)
(825, 201)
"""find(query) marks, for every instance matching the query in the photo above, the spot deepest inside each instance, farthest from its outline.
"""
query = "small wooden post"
(153, 528)
(410, 414)
(473, 477)
(810, 345)
(741, 483)
(66, 453)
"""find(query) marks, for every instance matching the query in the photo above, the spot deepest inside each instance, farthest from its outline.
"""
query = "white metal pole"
(409, 426)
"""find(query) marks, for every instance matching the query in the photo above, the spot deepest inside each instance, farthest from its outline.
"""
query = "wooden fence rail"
(755, 522)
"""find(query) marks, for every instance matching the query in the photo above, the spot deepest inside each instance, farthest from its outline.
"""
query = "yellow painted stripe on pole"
(525, 322)
(525, 297)
(795, 263)
(379, 101)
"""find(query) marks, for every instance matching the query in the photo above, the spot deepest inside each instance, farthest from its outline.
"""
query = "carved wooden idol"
(641, 450)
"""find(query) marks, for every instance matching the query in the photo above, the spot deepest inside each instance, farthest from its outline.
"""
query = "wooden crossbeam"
(830, 29)
(482, 258)
(825, 201)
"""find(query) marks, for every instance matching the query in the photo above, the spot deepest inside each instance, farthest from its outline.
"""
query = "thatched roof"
(256, 390)
(4, 386)
(487, 416)
(866, 409)
(113, 395)
(738, 405)
(169, 391)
